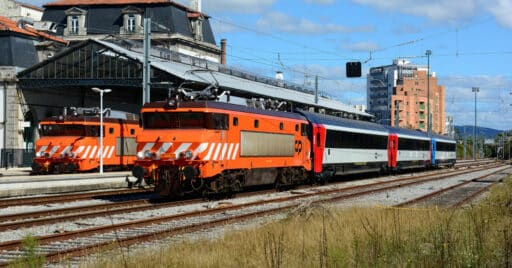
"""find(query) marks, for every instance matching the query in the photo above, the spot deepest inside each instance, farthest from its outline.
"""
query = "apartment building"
(398, 96)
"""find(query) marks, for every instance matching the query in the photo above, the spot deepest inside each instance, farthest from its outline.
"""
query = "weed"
(31, 258)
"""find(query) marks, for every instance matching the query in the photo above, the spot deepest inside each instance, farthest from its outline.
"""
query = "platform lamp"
(101, 91)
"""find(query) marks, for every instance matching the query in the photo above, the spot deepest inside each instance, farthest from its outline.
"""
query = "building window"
(130, 27)
(74, 25)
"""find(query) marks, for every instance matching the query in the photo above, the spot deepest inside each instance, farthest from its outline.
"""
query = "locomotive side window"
(235, 121)
(281, 126)
(220, 121)
(256, 123)
(111, 130)
(304, 129)
(132, 131)
(296, 127)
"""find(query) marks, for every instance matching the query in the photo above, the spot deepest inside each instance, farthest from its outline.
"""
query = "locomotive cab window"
(70, 130)
(296, 127)
(256, 123)
(235, 121)
(281, 126)
(132, 131)
(111, 130)
(185, 120)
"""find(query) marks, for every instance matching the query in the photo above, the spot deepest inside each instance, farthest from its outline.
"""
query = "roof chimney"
(195, 5)
(223, 51)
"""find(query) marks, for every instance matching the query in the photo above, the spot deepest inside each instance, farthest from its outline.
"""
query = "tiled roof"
(11, 26)
(104, 2)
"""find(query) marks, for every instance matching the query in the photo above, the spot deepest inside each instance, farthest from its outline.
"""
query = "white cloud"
(361, 46)
(284, 23)
(320, 2)
(501, 9)
(436, 10)
(493, 100)
(238, 6)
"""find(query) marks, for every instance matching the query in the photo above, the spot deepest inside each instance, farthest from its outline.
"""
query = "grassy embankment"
(476, 236)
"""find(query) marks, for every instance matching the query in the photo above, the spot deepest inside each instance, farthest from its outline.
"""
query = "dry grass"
(477, 236)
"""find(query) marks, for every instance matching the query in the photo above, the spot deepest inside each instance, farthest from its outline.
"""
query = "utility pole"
(429, 119)
(464, 137)
(476, 90)
(146, 76)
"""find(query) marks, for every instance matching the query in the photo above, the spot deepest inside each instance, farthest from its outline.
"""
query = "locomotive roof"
(84, 119)
(225, 106)
(342, 122)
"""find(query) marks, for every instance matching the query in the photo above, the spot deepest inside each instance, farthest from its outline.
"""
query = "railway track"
(459, 194)
(51, 216)
(63, 198)
(136, 229)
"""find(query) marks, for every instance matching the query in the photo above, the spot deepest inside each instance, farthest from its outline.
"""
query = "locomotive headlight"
(70, 154)
(148, 154)
(188, 154)
(140, 155)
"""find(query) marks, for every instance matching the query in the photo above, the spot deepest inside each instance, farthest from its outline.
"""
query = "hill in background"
(467, 131)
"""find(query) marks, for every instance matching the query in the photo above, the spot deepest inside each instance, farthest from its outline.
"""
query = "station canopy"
(100, 63)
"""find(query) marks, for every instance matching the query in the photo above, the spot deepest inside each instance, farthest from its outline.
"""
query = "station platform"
(18, 182)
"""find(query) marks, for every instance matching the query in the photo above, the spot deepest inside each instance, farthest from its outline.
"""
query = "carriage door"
(392, 150)
(433, 152)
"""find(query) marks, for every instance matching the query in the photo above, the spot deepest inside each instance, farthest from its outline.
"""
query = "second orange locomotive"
(70, 142)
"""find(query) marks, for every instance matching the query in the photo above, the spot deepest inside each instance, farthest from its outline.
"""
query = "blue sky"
(471, 43)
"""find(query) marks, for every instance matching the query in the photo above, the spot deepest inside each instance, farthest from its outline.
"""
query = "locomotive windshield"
(70, 130)
(185, 120)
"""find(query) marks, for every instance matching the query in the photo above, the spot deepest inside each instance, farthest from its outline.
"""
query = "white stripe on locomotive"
(84, 156)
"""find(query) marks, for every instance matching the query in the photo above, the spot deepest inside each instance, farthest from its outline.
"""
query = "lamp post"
(101, 91)
(429, 126)
(476, 90)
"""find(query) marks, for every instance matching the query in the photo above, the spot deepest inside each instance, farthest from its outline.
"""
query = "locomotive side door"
(392, 150)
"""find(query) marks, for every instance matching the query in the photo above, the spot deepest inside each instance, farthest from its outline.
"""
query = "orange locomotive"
(70, 142)
(212, 147)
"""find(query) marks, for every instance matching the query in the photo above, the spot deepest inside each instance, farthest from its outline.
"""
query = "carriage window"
(281, 126)
(235, 121)
(111, 130)
(256, 123)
